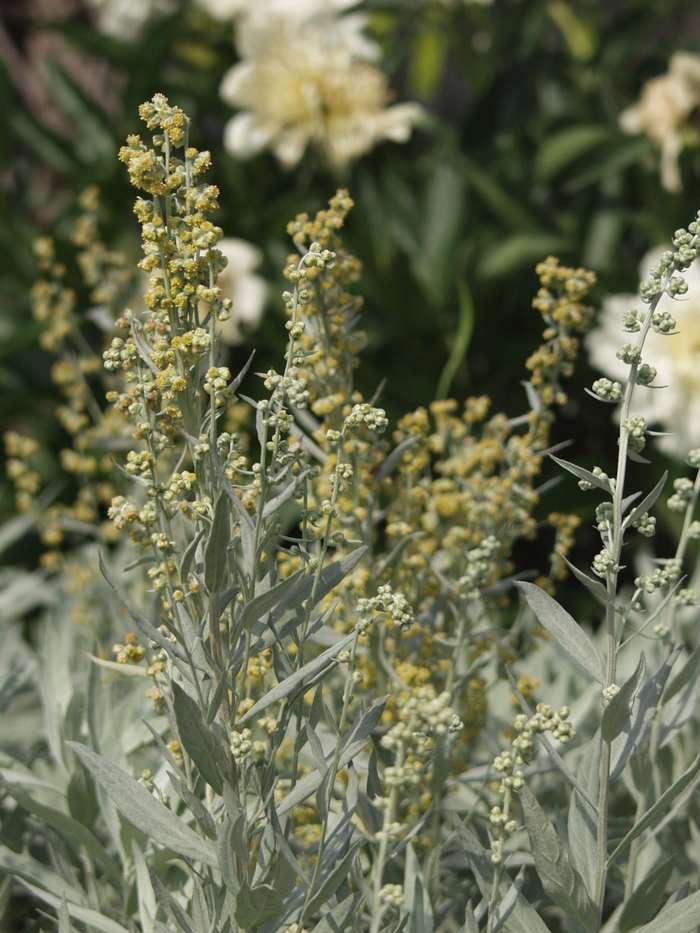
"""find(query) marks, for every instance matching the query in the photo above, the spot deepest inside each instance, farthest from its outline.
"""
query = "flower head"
(675, 355)
(308, 80)
(664, 107)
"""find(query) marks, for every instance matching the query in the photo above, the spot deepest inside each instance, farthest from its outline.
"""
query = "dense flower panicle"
(305, 78)
(663, 110)
(672, 345)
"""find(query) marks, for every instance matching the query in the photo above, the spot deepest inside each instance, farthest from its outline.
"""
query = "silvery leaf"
(564, 629)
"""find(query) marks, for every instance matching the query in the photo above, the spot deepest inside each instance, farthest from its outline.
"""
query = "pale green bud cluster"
(609, 693)
(608, 390)
(479, 567)
(386, 600)
(632, 319)
(646, 374)
(629, 354)
(424, 716)
(291, 385)
(660, 578)
(373, 418)
(645, 525)
(686, 597)
(391, 894)
(585, 485)
(636, 428)
(682, 494)
(241, 744)
(120, 355)
(603, 564)
(662, 322)
(216, 383)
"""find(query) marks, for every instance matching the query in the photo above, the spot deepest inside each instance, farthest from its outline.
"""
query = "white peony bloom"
(663, 109)
(126, 19)
(309, 82)
(676, 357)
(247, 291)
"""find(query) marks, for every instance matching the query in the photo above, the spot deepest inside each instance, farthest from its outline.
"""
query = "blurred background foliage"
(521, 156)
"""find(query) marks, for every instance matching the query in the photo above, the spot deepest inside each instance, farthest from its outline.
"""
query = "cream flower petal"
(676, 358)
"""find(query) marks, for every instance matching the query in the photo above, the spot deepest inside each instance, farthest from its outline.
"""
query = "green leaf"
(340, 918)
(274, 505)
(261, 604)
(225, 852)
(664, 801)
(215, 553)
(595, 586)
(149, 630)
(352, 744)
(582, 823)
(561, 882)
(64, 917)
(170, 905)
(618, 711)
(143, 810)
(196, 807)
(297, 680)
(564, 147)
(520, 250)
(646, 898)
(68, 827)
(146, 896)
(198, 739)
(686, 673)
(646, 503)
(92, 918)
(581, 473)
(333, 879)
(645, 705)
(564, 629)
(682, 917)
(523, 918)
(256, 905)
(290, 612)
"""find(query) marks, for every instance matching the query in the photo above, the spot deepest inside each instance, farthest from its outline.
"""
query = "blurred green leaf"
(520, 250)
(563, 148)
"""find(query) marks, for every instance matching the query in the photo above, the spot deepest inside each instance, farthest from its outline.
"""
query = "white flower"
(663, 108)
(676, 356)
(304, 82)
(126, 19)
(298, 9)
(247, 291)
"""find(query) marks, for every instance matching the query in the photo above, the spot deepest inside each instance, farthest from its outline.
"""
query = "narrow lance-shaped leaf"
(68, 827)
(523, 918)
(352, 744)
(617, 713)
(685, 674)
(143, 810)
(646, 503)
(561, 882)
(198, 739)
(259, 605)
(681, 917)
(646, 898)
(297, 679)
(91, 918)
(215, 553)
(256, 905)
(664, 801)
(564, 629)
(583, 474)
